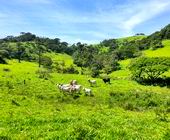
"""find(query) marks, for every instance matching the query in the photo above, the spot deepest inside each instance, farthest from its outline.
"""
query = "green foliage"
(46, 61)
(111, 43)
(127, 51)
(27, 46)
(2, 61)
(95, 72)
(20, 51)
(149, 69)
(156, 44)
(84, 55)
(4, 54)
(93, 58)
(44, 74)
(165, 32)
(70, 70)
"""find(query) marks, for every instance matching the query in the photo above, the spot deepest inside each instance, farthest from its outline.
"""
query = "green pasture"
(33, 108)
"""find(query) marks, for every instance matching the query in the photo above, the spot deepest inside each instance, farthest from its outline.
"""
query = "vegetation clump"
(149, 70)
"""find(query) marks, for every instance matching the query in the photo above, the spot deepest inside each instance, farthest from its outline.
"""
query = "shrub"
(2, 61)
(6, 69)
(70, 70)
(95, 72)
(146, 69)
(46, 61)
(44, 74)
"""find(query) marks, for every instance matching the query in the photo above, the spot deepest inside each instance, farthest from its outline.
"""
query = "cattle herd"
(74, 87)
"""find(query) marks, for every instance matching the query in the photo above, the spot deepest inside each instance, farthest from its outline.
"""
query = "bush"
(70, 70)
(2, 61)
(149, 69)
(6, 70)
(95, 72)
(46, 61)
(60, 68)
(156, 44)
(44, 74)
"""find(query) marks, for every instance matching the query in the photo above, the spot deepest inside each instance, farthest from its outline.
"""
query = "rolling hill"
(32, 106)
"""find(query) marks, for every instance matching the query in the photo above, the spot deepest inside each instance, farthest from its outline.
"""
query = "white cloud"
(144, 12)
(125, 17)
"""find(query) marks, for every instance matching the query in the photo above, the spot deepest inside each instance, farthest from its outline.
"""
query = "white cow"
(73, 82)
(69, 88)
(92, 82)
(64, 87)
(76, 88)
(87, 91)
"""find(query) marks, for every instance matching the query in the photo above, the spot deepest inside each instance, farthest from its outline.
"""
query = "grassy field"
(124, 73)
(57, 57)
(33, 108)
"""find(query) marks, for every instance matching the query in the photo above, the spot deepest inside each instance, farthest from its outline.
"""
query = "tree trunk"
(39, 59)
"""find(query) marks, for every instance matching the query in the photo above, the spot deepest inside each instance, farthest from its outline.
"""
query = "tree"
(109, 63)
(149, 69)
(2, 61)
(40, 48)
(46, 61)
(83, 55)
(20, 51)
(95, 72)
(26, 37)
(4, 53)
(111, 43)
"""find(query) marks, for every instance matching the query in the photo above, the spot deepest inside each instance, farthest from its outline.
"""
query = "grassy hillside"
(132, 38)
(165, 51)
(58, 57)
(32, 107)
(37, 110)
(124, 73)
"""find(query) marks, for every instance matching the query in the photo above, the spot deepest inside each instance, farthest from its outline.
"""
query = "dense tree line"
(90, 56)
(28, 46)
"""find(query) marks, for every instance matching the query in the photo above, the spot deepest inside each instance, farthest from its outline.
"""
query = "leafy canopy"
(151, 69)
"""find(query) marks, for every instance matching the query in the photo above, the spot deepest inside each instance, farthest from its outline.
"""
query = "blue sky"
(88, 21)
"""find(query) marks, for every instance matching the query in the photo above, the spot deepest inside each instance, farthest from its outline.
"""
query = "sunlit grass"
(37, 110)
(161, 52)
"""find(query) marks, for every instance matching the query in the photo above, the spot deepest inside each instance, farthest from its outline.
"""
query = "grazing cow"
(64, 88)
(69, 88)
(87, 91)
(73, 82)
(92, 82)
(76, 88)
(106, 80)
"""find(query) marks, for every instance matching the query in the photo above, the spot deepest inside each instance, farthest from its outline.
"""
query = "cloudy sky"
(88, 21)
